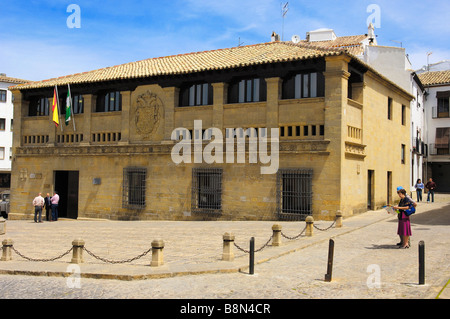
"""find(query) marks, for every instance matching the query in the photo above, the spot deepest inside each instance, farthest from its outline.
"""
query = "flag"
(55, 107)
(68, 105)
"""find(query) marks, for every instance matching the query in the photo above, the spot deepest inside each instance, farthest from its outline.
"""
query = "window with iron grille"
(206, 190)
(294, 193)
(134, 187)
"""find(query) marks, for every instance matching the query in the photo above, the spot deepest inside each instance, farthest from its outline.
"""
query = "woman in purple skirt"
(404, 225)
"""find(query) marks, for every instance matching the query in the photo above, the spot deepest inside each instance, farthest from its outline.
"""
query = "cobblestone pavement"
(367, 262)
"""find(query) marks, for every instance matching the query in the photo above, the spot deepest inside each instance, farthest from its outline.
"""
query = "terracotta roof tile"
(435, 78)
(195, 62)
(7, 79)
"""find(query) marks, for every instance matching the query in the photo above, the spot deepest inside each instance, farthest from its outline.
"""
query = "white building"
(6, 125)
(437, 118)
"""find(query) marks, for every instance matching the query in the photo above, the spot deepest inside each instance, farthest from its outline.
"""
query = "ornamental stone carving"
(149, 108)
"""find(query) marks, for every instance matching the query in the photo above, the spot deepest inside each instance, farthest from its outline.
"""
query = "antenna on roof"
(239, 42)
(284, 10)
(401, 43)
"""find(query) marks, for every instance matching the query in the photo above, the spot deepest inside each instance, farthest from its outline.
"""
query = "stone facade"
(351, 137)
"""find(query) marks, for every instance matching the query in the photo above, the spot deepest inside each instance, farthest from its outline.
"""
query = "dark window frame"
(293, 86)
(207, 191)
(134, 187)
(247, 90)
(196, 94)
(294, 193)
(109, 101)
(39, 106)
(3, 95)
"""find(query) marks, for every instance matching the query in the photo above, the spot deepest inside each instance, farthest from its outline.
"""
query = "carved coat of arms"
(148, 113)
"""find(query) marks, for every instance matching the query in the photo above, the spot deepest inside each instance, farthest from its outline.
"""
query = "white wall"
(6, 112)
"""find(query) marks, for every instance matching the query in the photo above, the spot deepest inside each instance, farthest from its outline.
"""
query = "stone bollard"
(228, 243)
(309, 226)
(77, 256)
(2, 226)
(338, 219)
(157, 253)
(7, 244)
(276, 239)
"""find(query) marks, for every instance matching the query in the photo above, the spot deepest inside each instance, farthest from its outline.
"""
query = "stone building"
(344, 136)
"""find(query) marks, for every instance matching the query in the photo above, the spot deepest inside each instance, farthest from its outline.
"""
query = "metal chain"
(295, 237)
(41, 260)
(323, 229)
(256, 250)
(117, 261)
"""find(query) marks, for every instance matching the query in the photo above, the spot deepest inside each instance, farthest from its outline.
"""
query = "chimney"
(275, 37)
(2, 74)
(371, 34)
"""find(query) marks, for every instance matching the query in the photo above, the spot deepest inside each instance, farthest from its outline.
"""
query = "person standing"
(431, 186)
(38, 203)
(419, 188)
(48, 207)
(404, 224)
(55, 202)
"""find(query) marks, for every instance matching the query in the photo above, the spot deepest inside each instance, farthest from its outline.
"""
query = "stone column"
(273, 97)
(78, 246)
(126, 110)
(276, 240)
(228, 243)
(171, 101)
(309, 226)
(7, 244)
(90, 102)
(220, 98)
(157, 253)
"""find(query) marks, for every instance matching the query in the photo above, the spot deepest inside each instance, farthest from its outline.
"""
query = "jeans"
(430, 192)
(37, 210)
(54, 212)
(419, 194)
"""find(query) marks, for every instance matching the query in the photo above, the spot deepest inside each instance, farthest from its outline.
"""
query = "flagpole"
(71, 108)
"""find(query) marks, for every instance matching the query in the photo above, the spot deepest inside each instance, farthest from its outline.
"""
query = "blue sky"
(37, 44)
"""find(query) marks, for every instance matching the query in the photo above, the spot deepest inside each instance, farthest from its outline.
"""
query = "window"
(134, 187)
(197, 94)
(39, 106)
(294, 193)
(443, 99)
(206, 190)
(109, 102)
(389, 109)
(12, 122)
(2, 153)
(3, 95)
(247, 90)
(403, 115)
(2, 124)
(77, 104)
(403, 154)
(442, 142)
(303, 85)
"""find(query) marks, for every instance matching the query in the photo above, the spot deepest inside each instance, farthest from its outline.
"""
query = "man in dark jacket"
(431, 186)
(48, 207)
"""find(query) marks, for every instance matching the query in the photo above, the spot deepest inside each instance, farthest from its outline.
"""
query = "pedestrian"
(404, 224)
(38, 203)
(55, 202)
(431, 186)
(419, 188)
(48, 207)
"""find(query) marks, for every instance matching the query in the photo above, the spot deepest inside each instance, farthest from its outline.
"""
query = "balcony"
(440, 150)
(439, 112)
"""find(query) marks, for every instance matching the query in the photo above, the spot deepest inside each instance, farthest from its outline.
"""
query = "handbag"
(410, 211)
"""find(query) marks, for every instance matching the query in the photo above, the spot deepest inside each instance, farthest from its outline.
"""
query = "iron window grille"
(294, 193)
(134, 187)
(207, 191)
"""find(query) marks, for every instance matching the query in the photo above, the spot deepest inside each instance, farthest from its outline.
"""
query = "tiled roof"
(435, 78)
(228, 58)
(352, 44)
(7, 79)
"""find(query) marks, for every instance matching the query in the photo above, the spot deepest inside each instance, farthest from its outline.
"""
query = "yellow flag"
(55, 107)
